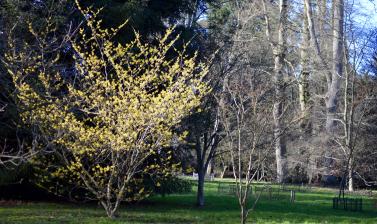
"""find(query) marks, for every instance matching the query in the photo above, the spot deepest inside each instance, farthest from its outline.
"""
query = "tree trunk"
(110, 212)
(205, 152)
(323, 17)
(331, 106)
(281, 159)
(337, 65)
(223, 172)
(210, 167)
(279, 57)
(243, 214)
(304, 94)
(350, 176)
(200, 193)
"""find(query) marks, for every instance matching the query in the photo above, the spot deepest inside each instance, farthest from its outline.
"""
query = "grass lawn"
(313, 207)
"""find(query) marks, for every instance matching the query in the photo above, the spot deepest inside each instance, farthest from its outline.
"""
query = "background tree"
(204, 137)
(246, 100)
(17, 141)
(151, 18)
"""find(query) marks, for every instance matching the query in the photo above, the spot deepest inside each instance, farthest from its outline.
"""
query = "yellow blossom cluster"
(118, 109)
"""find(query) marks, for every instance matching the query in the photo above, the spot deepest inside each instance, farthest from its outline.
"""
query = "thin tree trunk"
(243, 215)
(210, 167)
(200, 154)
(223, 172)
(349, 122)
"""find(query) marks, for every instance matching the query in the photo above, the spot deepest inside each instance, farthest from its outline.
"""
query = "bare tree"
(245, 105)
(357, 104)
(279, 52)
(304, 94)
(337, 65)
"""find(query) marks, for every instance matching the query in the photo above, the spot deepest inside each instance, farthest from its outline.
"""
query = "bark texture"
(279, 58)
(304, 93)
(337, 65)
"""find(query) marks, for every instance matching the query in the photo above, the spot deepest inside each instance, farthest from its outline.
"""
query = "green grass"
(313, 207)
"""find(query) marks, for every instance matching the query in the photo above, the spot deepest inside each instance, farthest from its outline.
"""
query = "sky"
(368, 12)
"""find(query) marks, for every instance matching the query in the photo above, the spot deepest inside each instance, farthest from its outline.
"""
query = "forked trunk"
(111, 214)
(223, 172)
(110, 210)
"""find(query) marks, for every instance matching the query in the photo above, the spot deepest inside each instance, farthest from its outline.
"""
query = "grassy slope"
(312, 207)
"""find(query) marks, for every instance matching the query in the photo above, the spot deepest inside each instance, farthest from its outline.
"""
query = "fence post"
(293, 196)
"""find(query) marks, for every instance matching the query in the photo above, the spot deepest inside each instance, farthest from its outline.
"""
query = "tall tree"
(304, 94)
(279, 49)
(332, 96)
